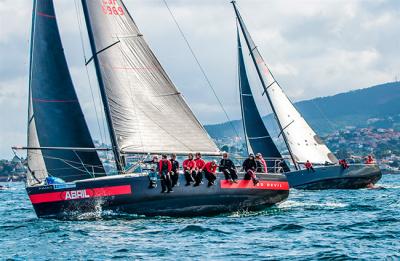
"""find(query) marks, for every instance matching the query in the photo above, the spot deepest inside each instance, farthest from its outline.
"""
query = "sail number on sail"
(111, 7)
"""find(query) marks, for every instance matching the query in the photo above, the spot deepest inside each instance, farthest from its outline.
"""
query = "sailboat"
(145, 114)
(301, 141)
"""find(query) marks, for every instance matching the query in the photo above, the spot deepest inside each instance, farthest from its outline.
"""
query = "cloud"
(315, 48)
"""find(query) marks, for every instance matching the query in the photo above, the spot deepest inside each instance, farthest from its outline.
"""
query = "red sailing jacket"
(161, 166)
(189, 164)
(209, 168)
(200, 163)
(308, 165)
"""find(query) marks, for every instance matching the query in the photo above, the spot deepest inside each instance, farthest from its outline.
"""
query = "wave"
(286, 227)
(200, 229)
(290, 204)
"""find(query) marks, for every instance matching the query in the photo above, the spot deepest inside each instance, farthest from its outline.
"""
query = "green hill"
(378, 106)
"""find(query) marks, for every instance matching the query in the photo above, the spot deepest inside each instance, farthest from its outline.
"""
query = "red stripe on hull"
(80, 194)
(263, 184)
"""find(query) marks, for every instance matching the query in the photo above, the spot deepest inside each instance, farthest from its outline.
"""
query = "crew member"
(250, 167)
(200, 163)
(343, 163)
(164, 169)
(153, 171)
(175, 170)
(309, 166)
(227, 167)
(189, 168)
(210, 169)
(369, 160)
(261, 164)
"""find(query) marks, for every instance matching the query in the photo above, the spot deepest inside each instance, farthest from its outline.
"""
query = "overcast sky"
(314, 48)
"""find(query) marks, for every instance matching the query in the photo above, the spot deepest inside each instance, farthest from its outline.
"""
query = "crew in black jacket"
(250, 167)
(227, 167)
(175, 170)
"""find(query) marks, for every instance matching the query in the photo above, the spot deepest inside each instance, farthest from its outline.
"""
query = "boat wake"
(290, 204)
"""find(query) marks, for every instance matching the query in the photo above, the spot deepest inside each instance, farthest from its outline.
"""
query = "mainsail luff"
(258, 139)
(149, 115)
(301, 140)
(113, 137)
(55, 115)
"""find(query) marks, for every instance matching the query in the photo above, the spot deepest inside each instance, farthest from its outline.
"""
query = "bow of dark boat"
(356, 176)
(131, 194)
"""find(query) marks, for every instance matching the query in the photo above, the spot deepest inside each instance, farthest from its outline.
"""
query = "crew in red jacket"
(200, 163)
(369, 160)
(164, 169)
(189, 168)
(210, 169)
(309, 166)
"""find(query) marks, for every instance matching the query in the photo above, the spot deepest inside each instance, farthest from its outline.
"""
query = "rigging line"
(200, 67)
(330, 123)
(78, 18)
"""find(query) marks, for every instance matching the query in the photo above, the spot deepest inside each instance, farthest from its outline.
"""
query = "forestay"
(55, 116)
(304, 143)
(148, 113)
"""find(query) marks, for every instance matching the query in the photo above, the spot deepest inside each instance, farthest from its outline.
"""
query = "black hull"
(131, 194)
(357, 176)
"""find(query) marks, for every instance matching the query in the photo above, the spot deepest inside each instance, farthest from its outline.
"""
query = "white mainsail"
(304, 144)
(148, 114)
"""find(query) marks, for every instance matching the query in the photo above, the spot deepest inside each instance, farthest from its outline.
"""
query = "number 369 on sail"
(111, 7)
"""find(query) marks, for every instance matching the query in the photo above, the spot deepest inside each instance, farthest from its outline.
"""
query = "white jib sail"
(304, 143)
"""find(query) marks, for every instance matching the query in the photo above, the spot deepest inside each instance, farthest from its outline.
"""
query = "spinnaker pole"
(114, 144)
(263, 83)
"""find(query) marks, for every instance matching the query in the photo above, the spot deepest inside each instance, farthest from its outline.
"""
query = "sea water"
(332, 224)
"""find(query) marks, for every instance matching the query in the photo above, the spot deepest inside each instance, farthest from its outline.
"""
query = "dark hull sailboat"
(302, 142)
(66, 176)
(356, 176)
(130, 194)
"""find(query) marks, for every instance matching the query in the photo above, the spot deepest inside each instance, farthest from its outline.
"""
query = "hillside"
(374, 106)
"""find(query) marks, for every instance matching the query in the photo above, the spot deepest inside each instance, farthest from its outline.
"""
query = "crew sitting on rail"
(261, 164)
(189, 168)
(200, 163)
(154, 170)
(164, 169)
(174, 171)
(309, 166)
(343, 163)
(210, 169)
(227, 167)
(369, 160)
(250, 167)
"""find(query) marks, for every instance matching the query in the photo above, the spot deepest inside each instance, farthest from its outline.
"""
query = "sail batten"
(55, 116)
(301, 140)
(147, 112)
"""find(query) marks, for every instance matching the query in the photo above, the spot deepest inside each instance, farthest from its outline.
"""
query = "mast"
(114, 144)
(263, 83)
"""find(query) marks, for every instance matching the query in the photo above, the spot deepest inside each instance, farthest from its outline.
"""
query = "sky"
(314, 48)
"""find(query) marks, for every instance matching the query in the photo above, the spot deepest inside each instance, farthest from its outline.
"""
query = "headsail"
(303, 143)
(148, 114)
(258, 138)
(55, 116)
